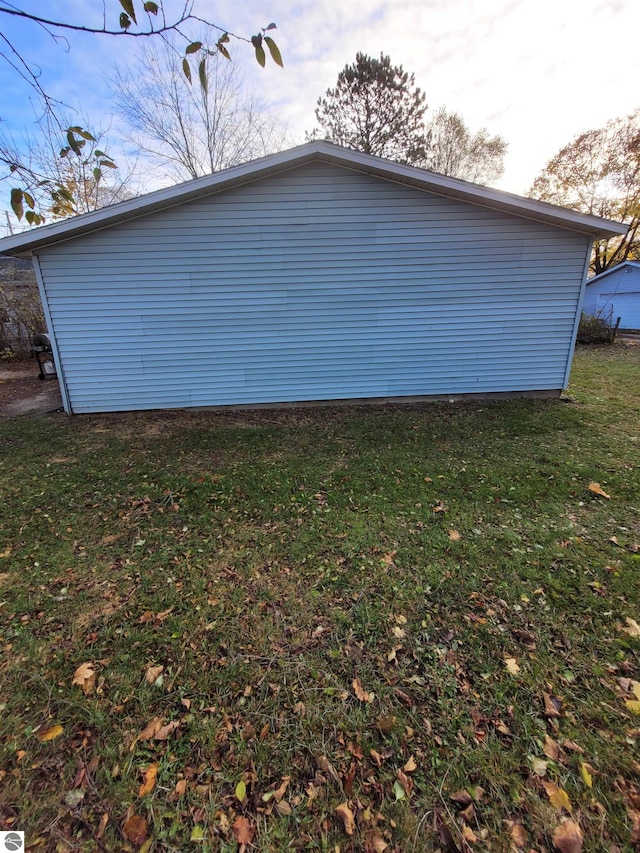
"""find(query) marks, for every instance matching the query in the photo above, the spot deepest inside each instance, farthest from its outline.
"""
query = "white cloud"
(536, 71)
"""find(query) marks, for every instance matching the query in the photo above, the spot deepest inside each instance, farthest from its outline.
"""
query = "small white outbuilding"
(317, 273)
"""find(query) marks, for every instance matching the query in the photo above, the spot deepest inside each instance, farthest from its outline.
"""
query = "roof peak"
(315, 150)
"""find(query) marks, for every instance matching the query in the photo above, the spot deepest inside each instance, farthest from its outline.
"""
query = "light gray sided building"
(317, 273)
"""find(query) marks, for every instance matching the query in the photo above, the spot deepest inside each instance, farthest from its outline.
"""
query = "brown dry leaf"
(135, 830)
(557, 796)
(519, 835)
(361, 694)
(552, 705)
(284, 809)
(634, 817)
(164, 732)
(85, 677)
(104, 820)
(149, 783)
(572, 746)
(152, 672)
(454, 535)
(279, 794)
(462, 797)
(355, 749)
(597, 489)
(243, 830)
(633, 629)
(468, 834)
(512, 666)
(386, 724)
(375, 842)
(568, 837)
(50, 734)
(181, 787)
(151, 729)
(411, 765)
(346, 815)
(405, 781)
(551, 748)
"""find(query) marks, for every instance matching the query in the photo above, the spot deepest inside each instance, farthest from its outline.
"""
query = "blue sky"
(536, 71)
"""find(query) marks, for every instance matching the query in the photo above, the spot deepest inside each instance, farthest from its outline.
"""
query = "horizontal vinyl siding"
(617, 293)
(319, 283)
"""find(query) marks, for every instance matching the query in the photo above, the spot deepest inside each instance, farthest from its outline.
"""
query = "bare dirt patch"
(22, 393)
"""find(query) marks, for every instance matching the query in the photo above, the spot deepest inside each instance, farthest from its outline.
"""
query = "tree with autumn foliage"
(598, 173)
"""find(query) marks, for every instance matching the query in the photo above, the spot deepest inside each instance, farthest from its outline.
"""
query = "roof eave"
(27, 242)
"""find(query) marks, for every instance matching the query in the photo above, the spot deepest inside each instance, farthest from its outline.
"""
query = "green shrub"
(596, 330)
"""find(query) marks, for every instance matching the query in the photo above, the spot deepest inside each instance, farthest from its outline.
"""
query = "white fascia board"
(601, 275)
(421, 179)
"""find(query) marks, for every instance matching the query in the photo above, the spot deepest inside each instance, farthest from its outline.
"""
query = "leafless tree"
(192, 130)
(452, 149)
(68, 183)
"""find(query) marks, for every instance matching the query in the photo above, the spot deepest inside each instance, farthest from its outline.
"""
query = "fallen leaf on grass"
(519, 835)
(587, 778)
(243, 830)
(346, 815)
(632, 705)
(74, 798)
(552, 705)
(85, 677)
(50, 734)
(446, 838)
(281, 791)
(149, 783)
(558, 797)
(151, 728)
(540, 767)
(241, 791)
(410, 766)
(135, 829)
(572, 745)
(164, 732)
(551, 748)
(361, 694)
(597, 489)
(633, 629)
(462, 797)
(568, 837)
(152, 672)
(386, 724)
(454, 535)
(468, 834)
(375, 842)
(512, 666)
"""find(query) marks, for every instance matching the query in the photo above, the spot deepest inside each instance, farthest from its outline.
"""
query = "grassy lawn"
(401, 628)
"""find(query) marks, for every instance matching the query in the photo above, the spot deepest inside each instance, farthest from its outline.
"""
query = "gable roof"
(600, 276)
(316, 151)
